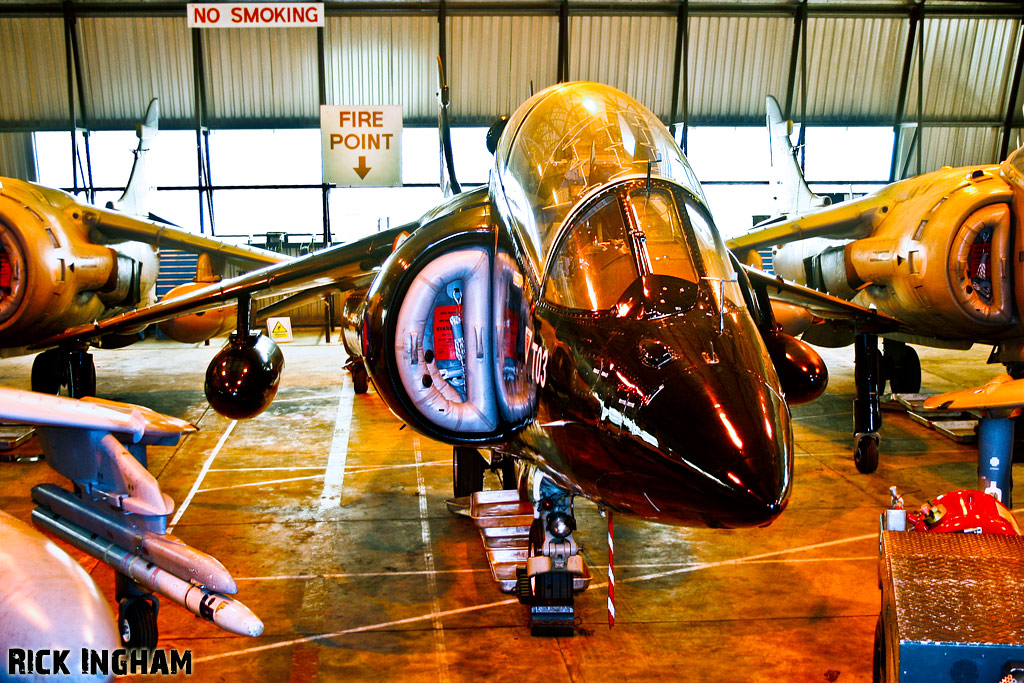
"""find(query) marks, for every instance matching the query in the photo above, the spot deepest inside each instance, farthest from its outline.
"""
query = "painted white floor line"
(440, 649)
(348, 468)
(355, 575)
(202, 473)
(500, 603)
(261, 483)
(265, 469)
(334, 477)
(438, 572)
(297, 399)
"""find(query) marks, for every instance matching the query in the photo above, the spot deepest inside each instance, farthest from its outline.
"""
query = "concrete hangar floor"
(346, 592)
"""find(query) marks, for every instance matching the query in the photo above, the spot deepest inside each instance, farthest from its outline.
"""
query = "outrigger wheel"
(360, 378)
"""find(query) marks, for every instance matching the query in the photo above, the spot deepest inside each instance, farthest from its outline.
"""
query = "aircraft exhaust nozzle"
(243, 377)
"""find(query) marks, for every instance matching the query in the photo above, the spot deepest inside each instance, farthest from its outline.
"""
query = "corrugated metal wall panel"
(128, 61)
(17, 158)
(734, 63)
(33, 77)
(262, 73)
(493, 76)
(967, 65)
(383, 60)
(634, 54)
(853, 70)
(946, 146)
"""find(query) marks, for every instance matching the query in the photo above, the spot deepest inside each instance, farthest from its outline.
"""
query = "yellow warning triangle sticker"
(279, 329)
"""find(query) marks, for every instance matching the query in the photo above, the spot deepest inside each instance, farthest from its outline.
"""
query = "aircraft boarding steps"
(12, 436)
(504, 520)
(960, 426)
(951, 607)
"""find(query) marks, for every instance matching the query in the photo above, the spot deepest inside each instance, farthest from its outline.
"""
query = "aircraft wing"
(33, 408)
(343, 266)
(821, 304)
(847, 220)
(1002, 391)
(115, 226)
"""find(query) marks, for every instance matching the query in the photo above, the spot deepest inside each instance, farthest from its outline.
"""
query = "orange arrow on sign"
(362, 169)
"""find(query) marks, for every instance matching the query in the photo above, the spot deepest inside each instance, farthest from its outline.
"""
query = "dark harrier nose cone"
(243, 377)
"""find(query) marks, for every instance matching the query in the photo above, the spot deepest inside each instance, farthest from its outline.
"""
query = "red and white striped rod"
(611, 571)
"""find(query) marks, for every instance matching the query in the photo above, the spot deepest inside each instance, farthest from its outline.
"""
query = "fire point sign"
(362, 145)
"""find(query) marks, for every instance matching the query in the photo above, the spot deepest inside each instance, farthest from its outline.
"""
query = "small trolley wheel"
(865, 456)
(137, 623)
(524, 589)
(467, 471)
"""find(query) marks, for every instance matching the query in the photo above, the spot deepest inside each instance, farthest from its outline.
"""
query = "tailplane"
(792, 196)
(136, 193)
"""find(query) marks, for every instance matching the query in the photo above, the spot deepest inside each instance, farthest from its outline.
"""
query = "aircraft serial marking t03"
(579, 315)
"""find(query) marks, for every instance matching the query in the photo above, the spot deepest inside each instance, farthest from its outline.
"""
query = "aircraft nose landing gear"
(548, 582)
(867, 413)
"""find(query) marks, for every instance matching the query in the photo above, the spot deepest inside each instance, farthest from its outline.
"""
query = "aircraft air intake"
(444, 332)
(52, 276)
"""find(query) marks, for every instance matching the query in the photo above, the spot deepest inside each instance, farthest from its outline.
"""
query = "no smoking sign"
(362, 146)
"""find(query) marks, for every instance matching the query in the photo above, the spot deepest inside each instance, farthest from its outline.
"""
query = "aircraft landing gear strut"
(468, 467)
(137, 610)
(547, 583)
(70, 368)
(867, 413)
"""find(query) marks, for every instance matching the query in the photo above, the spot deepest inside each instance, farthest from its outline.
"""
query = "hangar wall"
(695, 63)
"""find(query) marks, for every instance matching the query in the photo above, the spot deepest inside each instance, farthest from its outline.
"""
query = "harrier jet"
(579, 315)
(941, 253)
(64, 262)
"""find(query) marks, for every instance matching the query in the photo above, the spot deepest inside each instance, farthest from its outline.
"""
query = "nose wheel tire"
(865, 456)
(137, 623)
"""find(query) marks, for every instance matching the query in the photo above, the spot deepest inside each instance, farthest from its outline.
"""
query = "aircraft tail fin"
(133, 200)
(449, 183)
(792, 196)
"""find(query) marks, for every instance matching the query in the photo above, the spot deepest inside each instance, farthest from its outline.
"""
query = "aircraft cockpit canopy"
(638, 235)
(565, 143)
(1013, 168)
